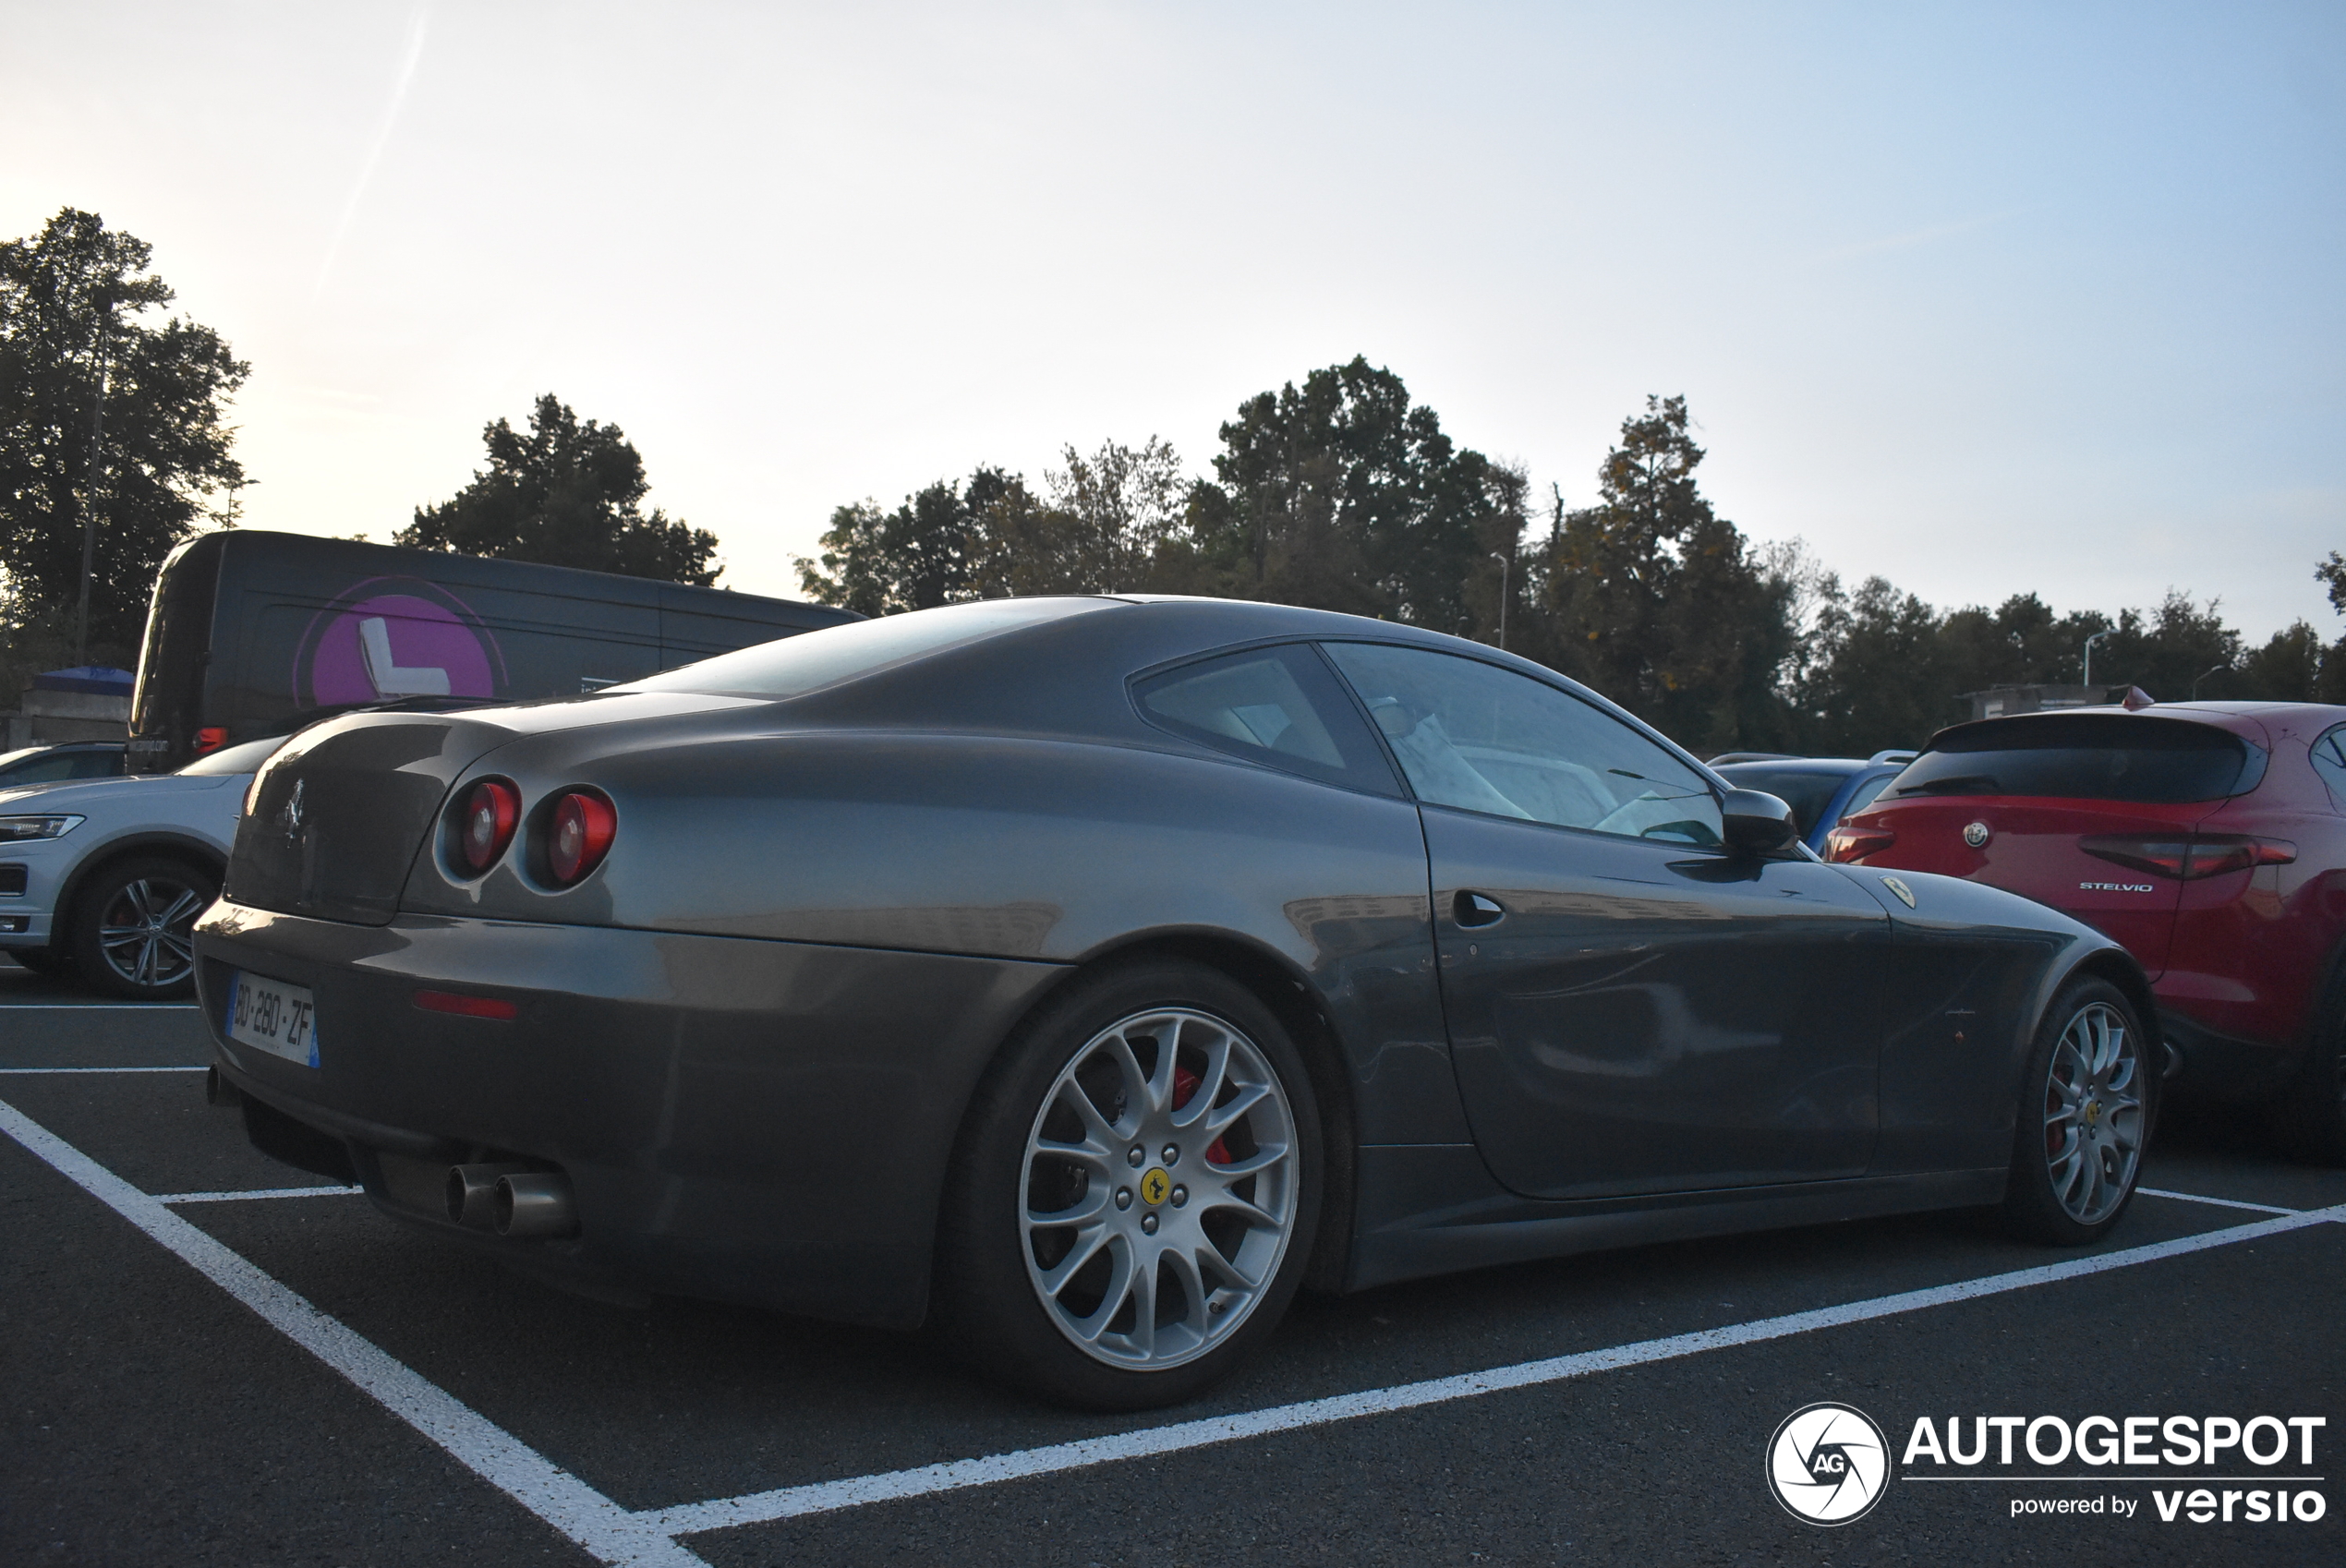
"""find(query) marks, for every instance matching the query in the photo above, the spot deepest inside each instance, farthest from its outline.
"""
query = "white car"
(103, 877)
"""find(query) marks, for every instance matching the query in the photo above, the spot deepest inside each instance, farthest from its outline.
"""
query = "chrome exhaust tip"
(472, 1193)
(534, 1204)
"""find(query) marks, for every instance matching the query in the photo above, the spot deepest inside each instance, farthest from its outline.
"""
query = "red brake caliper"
(1185, 1084)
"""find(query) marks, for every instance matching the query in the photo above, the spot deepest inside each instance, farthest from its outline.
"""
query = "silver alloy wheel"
(2093, 1114)
(1161, 1189)
(146, 930)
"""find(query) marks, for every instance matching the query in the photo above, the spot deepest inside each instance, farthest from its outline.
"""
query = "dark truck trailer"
(252, 633)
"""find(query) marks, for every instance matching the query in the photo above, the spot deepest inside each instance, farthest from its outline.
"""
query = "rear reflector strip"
(467, 1006)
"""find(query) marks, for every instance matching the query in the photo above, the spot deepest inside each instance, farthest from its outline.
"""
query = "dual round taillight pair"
(579, 826)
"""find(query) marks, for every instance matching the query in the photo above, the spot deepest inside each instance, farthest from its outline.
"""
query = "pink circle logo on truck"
(404, 638)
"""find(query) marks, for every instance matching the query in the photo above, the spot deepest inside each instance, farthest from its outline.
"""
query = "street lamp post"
(103, 311)
(1505, 563)
(2203, 675)
(2090, 655)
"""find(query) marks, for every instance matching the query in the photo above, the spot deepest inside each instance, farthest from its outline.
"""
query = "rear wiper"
(1953, 784)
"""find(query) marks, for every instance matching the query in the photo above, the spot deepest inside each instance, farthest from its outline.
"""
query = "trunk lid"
(2092, 812)
(340, 812)
(2036, 848)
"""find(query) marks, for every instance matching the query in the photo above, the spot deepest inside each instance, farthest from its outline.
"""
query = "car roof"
(1044, 677)
(1805, 764)
(2242, 718)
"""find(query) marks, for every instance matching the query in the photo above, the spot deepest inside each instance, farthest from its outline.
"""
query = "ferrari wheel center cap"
(1156, 1186)
(2093, 1112)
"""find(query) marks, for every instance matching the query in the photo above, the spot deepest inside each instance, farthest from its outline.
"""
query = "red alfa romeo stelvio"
(2208, 838)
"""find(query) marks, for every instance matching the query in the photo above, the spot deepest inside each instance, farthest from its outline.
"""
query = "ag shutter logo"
(1828, 1464)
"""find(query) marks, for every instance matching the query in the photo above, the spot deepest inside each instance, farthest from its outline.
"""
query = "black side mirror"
(1756, 824)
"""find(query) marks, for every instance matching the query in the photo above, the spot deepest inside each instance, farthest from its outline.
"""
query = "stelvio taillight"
(1846, 843)
(485, 823)
(578, 834)
(2189, 857)
(211, 738)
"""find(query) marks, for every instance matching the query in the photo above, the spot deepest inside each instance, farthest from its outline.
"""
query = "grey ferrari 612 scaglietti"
(1084, 975)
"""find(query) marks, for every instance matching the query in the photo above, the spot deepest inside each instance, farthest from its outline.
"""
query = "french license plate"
(272, 1016)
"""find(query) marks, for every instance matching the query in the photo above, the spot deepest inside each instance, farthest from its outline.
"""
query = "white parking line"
(2218, 1202)
(822, 1497)
(17, 1072)
(647, 1539)
(256, 1193)
(569, 1504)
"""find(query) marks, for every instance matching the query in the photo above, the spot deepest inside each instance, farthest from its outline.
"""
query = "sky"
(1983, 299)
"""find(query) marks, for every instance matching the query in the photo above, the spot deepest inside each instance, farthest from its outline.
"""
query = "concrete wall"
(44, 718)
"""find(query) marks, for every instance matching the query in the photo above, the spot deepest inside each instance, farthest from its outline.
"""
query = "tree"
(1343, 495)
(1113, 514)
(931, 550)
(2167, 650)
(567, 494)
(2286, 669)
(1659, 602)
(102, 410)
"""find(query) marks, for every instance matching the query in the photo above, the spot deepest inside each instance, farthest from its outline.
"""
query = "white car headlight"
(18, 829)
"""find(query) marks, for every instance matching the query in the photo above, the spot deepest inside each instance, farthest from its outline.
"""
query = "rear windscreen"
(1805, 792)
(2082, 757)
(814, 659)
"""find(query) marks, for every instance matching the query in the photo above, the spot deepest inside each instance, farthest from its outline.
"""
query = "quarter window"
(2329, 761)
(1278, 706)
(1478, 738)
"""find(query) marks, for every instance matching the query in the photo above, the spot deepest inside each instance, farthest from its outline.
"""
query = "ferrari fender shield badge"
(1905, 893)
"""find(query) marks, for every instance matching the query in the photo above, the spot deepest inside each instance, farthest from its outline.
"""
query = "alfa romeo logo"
(1828, 1464)
(1975, 834)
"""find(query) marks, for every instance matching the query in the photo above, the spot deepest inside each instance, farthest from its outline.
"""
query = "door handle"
(1471, 909)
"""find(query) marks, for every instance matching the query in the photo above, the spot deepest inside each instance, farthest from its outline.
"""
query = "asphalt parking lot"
(209, 1357)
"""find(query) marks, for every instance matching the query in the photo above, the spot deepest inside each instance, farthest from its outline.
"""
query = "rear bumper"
(2225, 1067)
(745, 1120)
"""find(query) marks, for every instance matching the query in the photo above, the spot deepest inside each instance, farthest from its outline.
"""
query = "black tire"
(160, 894)
(2310, 1117)
(990, 1306)
(46, 961)
(2081, 1130)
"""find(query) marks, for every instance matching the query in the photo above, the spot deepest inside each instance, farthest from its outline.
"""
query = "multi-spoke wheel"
(134, 932)
(1161, 1189)
(2084, 1118)
(1135, 1195)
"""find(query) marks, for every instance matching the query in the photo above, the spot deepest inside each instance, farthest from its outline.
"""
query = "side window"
(2329, 761)
(1863, 795)
(1278, 706)
(1483, 739)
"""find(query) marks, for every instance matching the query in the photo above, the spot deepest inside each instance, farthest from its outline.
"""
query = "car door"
(1631, 1008)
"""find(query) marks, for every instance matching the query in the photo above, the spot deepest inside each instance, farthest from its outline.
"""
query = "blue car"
(1821, 790)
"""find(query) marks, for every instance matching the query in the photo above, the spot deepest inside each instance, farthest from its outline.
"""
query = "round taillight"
(578, 834)
(485, 823)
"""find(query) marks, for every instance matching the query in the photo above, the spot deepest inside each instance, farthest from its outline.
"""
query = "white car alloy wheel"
(1161, 1187)
(146, 932)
